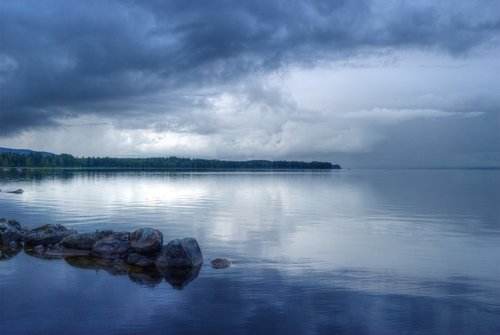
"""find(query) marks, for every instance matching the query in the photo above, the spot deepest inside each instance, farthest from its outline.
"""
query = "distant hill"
(25, 151)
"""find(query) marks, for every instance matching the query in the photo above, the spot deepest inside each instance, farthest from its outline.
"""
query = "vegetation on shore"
(43, 160)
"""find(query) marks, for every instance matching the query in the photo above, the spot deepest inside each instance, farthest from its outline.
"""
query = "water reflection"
(8, 252)
(148, 276)
(379, 252)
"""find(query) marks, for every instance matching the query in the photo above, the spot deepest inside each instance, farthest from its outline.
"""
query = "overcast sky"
(358, 82)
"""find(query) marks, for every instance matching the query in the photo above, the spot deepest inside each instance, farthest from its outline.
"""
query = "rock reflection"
(8, 252)
(150, 276)
(180, 277)
(114, 267)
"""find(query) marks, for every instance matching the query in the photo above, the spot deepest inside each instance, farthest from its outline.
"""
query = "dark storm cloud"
(64, 58)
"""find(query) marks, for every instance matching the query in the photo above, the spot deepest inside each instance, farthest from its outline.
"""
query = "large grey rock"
(146, 241)
(180, 253)
(10, 231)
(84, 241)
(115, 245)
(47, 234)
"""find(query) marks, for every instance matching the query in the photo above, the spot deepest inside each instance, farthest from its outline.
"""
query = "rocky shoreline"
(141, 254)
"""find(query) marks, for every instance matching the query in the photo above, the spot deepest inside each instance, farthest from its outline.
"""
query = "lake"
(313, 252)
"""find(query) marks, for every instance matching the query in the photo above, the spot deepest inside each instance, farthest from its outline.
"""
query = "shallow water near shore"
(313, 252)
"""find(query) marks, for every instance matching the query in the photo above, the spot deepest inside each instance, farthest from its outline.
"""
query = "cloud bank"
(227, 79)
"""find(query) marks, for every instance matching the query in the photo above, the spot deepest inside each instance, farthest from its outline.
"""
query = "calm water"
(352, 251)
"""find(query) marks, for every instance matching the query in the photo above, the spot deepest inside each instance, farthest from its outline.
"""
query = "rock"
(10, 231)
(84, 241)
(179, 277)
(220, 263)
(47, 234)
(14, 223)
(18, 191)
(140, 260)
(180, 253)
(115, 245)
(146, 241)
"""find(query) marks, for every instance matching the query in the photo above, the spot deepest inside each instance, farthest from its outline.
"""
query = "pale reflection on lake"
(351, 251)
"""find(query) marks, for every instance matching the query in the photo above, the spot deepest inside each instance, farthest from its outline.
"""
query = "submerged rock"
(115, 245)
(47, 234)
(180, 253)
(84, 241)
(146, 241)
(220, 263)
(10, 231)
(18, 191)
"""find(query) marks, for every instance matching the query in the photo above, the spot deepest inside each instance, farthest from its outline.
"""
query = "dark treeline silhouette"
(39, 160)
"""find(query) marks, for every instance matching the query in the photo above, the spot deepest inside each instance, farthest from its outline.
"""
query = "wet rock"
(220, 263)
(14, 223)
(141, 260)
(146, 241)
(180, 253)
(84, 241)
(10, 231)
(47, 234)
(115, 245)
(180, 277)
(18, 191)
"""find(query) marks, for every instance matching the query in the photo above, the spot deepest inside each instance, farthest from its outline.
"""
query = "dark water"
(342, 252)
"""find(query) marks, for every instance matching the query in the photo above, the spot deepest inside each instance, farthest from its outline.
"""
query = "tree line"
(40, 160)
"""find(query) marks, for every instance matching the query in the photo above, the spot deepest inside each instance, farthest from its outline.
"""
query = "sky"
(362, 83)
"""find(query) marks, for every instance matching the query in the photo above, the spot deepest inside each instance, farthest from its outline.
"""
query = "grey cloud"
(124, 59)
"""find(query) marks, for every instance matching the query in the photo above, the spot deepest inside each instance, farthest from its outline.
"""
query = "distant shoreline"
(42, 160)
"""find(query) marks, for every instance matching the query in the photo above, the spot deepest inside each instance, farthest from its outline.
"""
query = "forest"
(44, 160)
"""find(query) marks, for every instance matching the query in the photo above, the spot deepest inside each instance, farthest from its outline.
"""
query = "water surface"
(351, 251)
